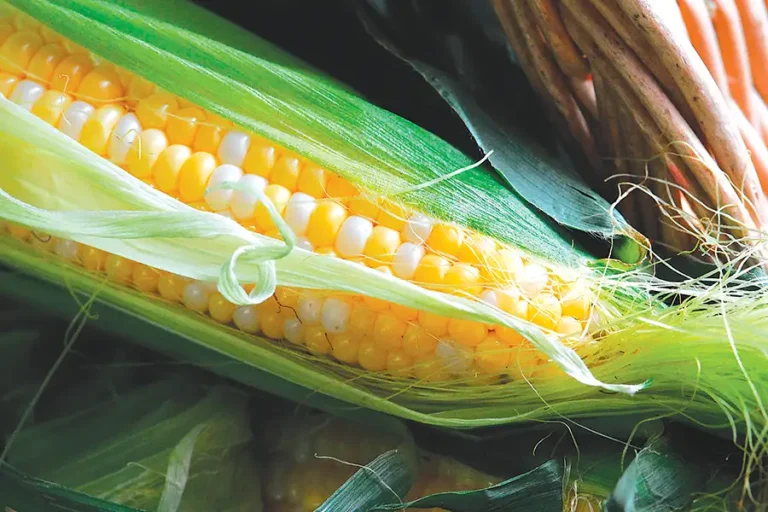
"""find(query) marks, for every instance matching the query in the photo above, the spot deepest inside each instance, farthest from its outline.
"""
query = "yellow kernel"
(6, 31)
(153, 111)
(388, 331)
(209, 134)
(19, 232)
(509, 336)
(70, 72)
(194, 176)
(145, 278)
(398, 362)
(445, 239)
(392, 215)
(435, 325)
(118, 269)
(48, 35)
(431, 270)
(361, 320)
(316, 340)
(404, 312)
(17, 51)
(418, 342)
(139, 89)
(44, 63)
(382, 245)
(101, 85)
(577, 302)
(492, 356)
(220, 308)
(312, 181)
(363, 207)
(545, 311)
(145, 151)
(260, 158)
(182, 125)
(8, 83)
(171, 286)
(523, 360)
(287, 297)
(325, 223)
(462, 279)
(279, 196)
(372, 357)
(286, 172)
(430, 370)
(341, 189)
(272, 324)
(477, 250)
(344, 347)
(98, 129)
(467, 332)
(569, 326)
(50, 106)
(168, 167)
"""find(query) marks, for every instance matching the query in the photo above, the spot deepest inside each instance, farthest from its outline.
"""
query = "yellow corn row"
(310, 458)
(185, 152)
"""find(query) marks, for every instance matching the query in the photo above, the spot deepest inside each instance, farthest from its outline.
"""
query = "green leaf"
(539, 490)
(656, 480)
(21, 493)
(169, 446)
(387, 477)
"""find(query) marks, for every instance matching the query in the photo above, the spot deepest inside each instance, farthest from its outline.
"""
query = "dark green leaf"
(540, 490)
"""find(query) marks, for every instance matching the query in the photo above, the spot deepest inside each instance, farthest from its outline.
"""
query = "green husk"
(168, 447)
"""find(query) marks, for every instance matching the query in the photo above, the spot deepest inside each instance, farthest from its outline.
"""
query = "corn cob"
(186, 153)
(311, 457)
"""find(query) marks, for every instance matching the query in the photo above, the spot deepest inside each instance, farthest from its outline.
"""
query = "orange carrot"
(754, 144)
(704, 39)
(762, 110)
(733, 47)
(754, 18)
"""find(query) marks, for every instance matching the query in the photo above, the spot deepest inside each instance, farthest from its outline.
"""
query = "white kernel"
(454, 359)
(335, 314)
(126, 131)
(298, 211)
(417, 229)
(73, 119)
(303, 242)
(490, 298)
(353, 235)
(195, 296)
(218, 199)
(233, 148)
(532, 279)
(293, 330)
(246, 319)
(308, 309)
(243, 202)
(67, 249)
(407, 258)
(27, 93)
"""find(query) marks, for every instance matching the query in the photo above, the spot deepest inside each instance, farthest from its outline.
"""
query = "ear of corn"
(421, 341)
(315, 205)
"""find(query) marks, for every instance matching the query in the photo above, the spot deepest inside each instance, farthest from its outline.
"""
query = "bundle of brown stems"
(666, 102)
